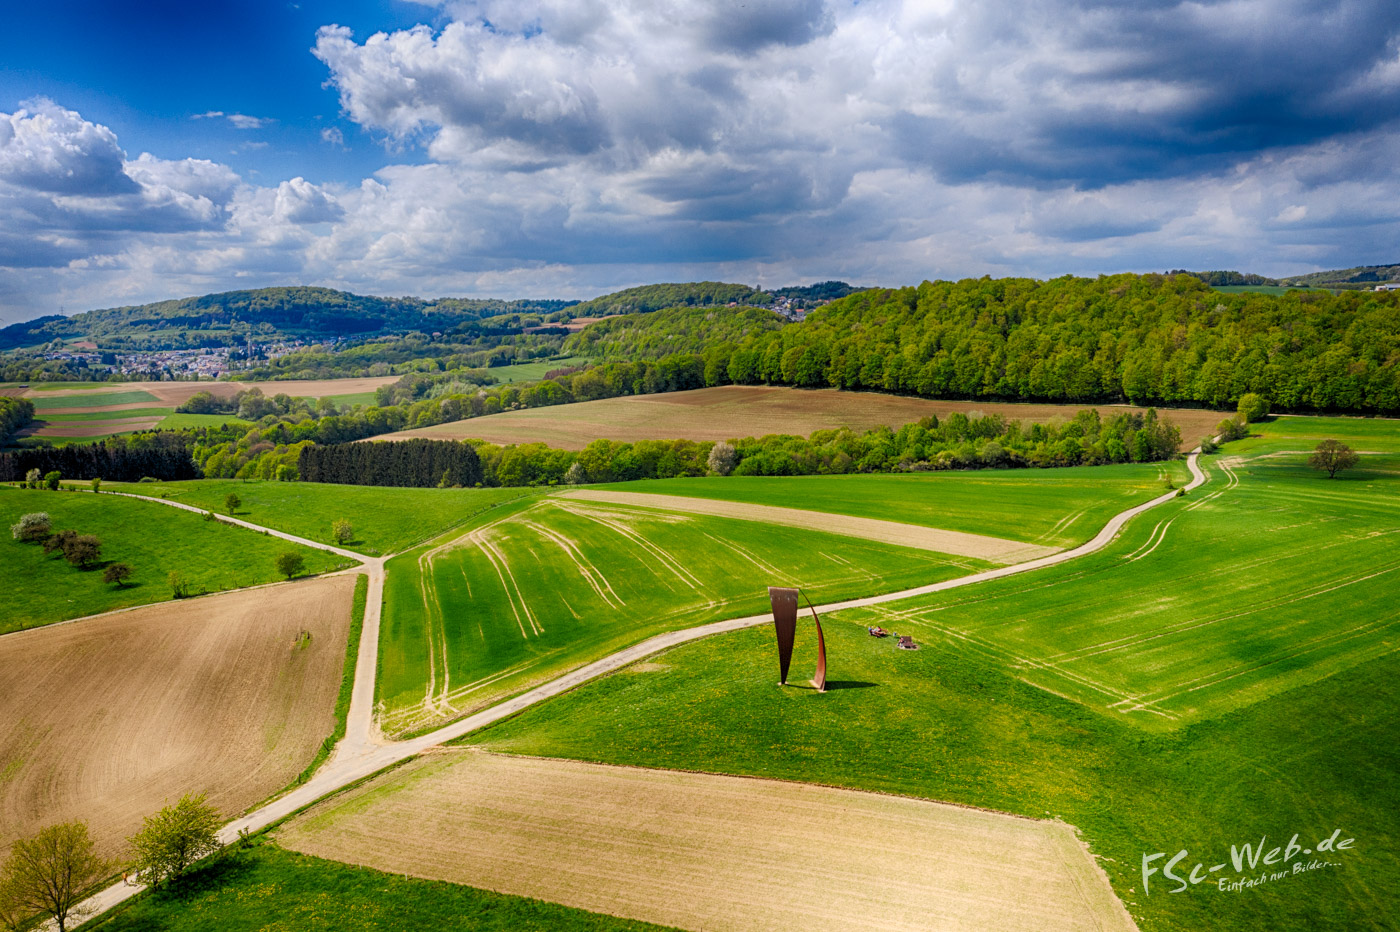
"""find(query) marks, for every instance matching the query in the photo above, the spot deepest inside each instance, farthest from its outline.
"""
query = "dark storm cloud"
(1096, 94)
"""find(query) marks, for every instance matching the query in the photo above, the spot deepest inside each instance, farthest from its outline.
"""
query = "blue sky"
(570, 147)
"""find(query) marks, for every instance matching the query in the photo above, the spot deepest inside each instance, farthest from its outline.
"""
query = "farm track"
(362, 752)
(957, 543)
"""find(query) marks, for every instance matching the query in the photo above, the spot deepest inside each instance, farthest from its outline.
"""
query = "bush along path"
(363, 752)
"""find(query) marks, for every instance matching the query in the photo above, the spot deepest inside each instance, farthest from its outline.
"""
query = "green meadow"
(950, 725)
(547, 585)
(105, 399)
(385, 520)
(1053, 507)
(150, 538)
(533, 371)
(104, 415)
(1227, 669)
(177, 420)
(265, 888)
(1267, 577)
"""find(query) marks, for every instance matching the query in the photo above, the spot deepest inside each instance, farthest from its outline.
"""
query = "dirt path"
(739, 853)
(957, 543)
(359, 756)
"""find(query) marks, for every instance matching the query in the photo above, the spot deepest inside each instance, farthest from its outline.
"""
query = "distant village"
(183, 364)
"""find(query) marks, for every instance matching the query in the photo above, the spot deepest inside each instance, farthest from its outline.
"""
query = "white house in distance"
(1389, 286)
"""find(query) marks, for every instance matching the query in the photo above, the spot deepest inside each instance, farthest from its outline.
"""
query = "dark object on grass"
(784, 603)
(906, 642)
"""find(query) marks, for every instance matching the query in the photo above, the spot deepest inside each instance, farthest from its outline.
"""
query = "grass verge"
(265, 887)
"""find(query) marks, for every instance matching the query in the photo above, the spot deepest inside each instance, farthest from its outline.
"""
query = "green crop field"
(105, 399)
(533, 371)
(945, 724)
(105, 415)
(267, 888)
(1290, 433)
(150, 538)
(178, 420)
(385, 520)
(1271, 576)
(1229, 668)
(547, 585)
(1053, 507)
(349, 401)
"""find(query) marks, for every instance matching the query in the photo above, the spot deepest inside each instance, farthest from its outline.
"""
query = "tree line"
(954, 442)
(15, 413)
(1143, 339)
(157, 454)
(416, 463)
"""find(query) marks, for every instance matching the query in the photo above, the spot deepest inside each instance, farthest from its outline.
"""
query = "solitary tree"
(32, 478)
(722, 459)
(48, 873)
(118, 573)
(31, 527)
(174, 838)
(82, 550)
(1252, 407)
(232, 502)
(51, 480)
(96, 484)
(290, 563)
(1332, 456)
(342, 531)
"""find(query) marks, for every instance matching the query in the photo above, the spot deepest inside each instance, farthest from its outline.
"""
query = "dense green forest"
(1144, 339)
(15, 413)
(1219, 278)
(655, 297)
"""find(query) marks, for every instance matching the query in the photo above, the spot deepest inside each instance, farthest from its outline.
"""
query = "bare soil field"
(959, 543)
(703, 851)
(102, 428)
(176, 393)
(730, 411)
(111, 718)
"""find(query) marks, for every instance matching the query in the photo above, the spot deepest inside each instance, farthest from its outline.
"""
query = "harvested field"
(175, 393)
(991, 549)
(99, 428)
(702, 851)
(730, 411)
(111, 718)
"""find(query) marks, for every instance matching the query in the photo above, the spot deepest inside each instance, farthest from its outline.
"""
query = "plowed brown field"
(100, 428)
(701, 851)
(176, 393)
(109, 719)
(730, 411)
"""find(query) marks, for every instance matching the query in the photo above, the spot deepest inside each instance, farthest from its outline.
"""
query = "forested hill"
(1363, 276)
(655, 297)
(316, 313)
(1150, 339)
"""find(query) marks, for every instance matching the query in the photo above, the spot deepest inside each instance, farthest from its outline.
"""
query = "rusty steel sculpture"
(784, 602)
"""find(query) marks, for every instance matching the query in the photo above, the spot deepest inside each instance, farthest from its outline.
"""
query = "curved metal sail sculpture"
(784, 603)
